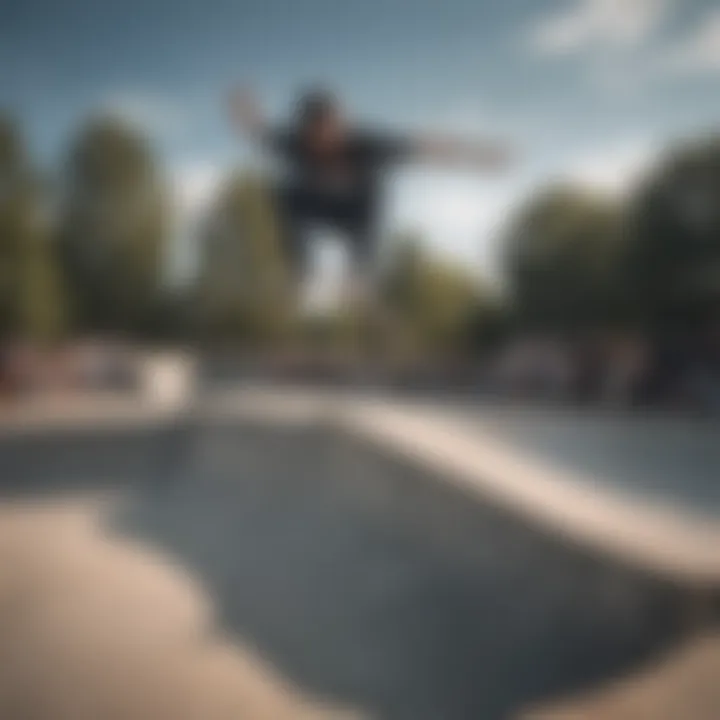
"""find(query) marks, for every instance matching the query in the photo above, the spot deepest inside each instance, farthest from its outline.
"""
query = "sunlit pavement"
(97, 627)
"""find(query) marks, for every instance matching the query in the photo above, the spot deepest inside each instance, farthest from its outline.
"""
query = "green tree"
(242, 290)
(564, 262)
(31, 298)
(113, 229)
(674, 252)
(433, 302)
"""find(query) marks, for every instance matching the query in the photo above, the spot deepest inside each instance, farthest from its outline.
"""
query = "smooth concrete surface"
(269, 554)
(682, 686)
(233, 569)
(642, 490)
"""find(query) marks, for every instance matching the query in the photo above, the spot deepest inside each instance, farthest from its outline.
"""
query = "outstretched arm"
(483, 155)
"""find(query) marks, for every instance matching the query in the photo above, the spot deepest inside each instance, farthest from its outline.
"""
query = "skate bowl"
(297, 555)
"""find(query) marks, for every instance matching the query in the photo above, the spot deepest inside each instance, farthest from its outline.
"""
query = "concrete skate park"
(264, 553)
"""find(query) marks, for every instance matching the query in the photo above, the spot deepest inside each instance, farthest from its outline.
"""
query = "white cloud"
(153, 113)
(599, 24)
(614, 169)
(699, 53)
(461, 216)
(194, 185)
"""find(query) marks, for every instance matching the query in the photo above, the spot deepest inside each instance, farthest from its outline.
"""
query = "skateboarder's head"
(320, 120)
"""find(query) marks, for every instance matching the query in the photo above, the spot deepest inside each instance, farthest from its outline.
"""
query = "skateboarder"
(332, 172)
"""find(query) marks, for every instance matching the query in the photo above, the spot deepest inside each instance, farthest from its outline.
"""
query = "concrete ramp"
(277, 554)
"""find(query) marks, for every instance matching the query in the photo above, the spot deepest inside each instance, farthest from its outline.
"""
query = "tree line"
(84, 251)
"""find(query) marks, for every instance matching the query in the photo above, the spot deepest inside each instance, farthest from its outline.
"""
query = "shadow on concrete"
(361, 579)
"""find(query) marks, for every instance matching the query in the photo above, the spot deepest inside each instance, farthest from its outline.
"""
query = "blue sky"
(588, 88)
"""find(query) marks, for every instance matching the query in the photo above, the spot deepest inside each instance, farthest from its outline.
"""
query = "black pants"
(353, 216)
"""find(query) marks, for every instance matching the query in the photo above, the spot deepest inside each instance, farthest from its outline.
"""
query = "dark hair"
(314, 105)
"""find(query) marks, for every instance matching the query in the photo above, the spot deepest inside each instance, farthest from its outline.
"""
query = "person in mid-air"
(333, 171)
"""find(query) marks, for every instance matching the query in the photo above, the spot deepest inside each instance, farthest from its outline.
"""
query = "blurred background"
(130, 212)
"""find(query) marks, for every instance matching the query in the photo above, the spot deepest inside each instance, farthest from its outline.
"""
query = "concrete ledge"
(666, 540)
